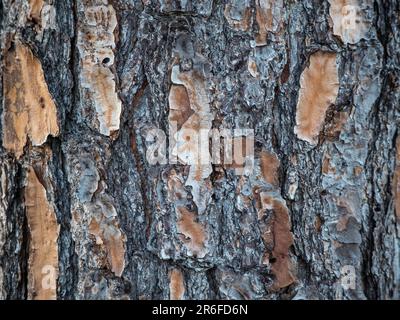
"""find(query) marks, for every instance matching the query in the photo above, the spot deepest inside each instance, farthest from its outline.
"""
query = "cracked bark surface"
(83, 82)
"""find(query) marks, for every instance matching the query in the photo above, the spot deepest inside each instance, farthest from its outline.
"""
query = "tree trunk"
(102, 102)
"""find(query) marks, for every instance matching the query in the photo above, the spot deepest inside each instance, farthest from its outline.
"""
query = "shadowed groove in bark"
(17, 246)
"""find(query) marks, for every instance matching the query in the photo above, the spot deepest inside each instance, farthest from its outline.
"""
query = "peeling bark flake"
(96, 44)
(35, 9)
(29, 110)
(105, 227)
(193, 232)
(43, 246)
(281, 265)
(269, 167)
(176, 285)
(187, 147)
(269, 18)
(348, 20)
(238, 15)
(179, 105)
(107, 233)
(319, 86)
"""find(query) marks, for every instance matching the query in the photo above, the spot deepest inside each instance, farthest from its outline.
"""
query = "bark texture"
(85, 215)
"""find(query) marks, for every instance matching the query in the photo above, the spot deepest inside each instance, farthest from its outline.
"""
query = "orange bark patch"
(194, 83)
(348, 20)
(252, 67)
(280, 225)
(326, 166)
(96, 44)
(318, 223)
(36, 8)
(176, 188)
(269, 18)
(358, 170)
(192, 144)
(319, 86)
(29, 110)
(43, 247)
(192, 230)
(242, 23)
(107, 233)
(108, 106)
(396, 180)
(179, 105)
(269, 167)
(176, 285)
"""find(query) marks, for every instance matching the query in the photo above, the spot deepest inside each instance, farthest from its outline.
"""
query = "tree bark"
(86, 214)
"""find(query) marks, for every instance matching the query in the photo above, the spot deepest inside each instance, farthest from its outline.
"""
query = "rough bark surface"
(85, 215)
